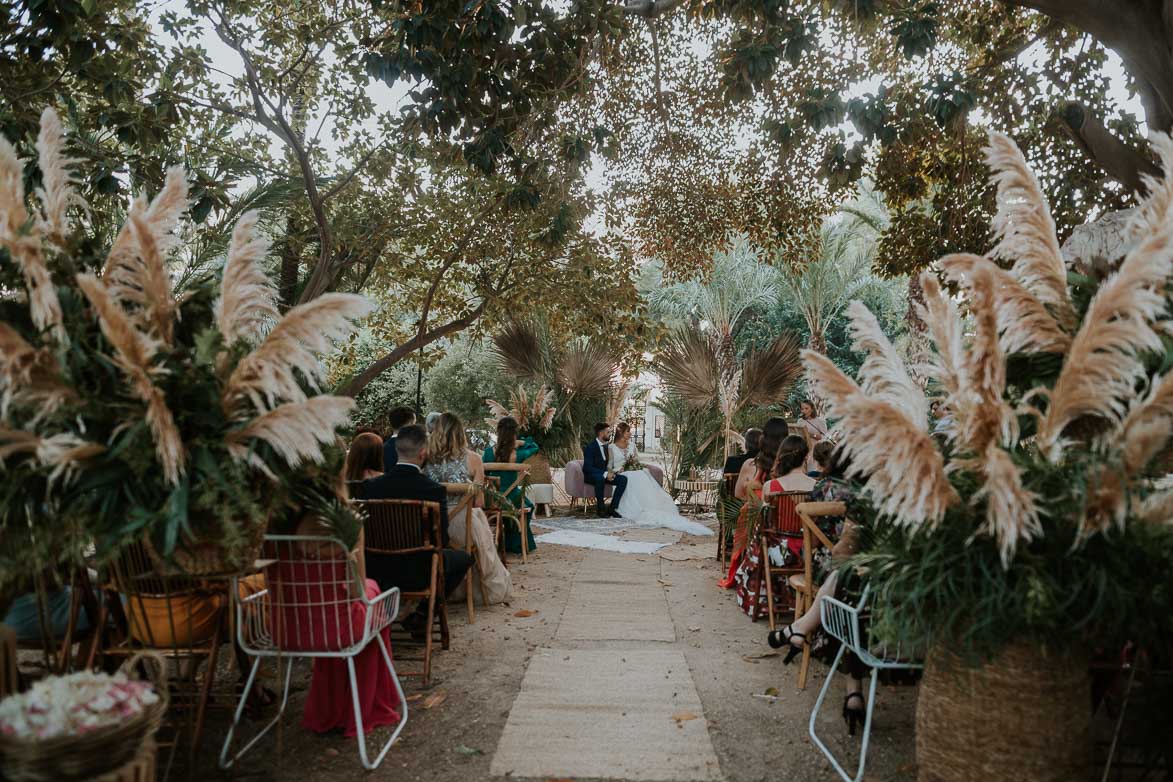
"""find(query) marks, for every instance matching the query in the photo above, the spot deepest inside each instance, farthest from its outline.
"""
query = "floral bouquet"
(632, 463)
(128, 411)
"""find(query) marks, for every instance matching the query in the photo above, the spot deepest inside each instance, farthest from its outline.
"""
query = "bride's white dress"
(645, 502)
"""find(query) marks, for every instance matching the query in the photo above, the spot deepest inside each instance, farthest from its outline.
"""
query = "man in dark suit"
(398, 418)
(404, 481)
(753, 440)
(594, 472)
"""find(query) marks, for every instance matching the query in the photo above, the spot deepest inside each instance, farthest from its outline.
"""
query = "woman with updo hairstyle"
(790, 468)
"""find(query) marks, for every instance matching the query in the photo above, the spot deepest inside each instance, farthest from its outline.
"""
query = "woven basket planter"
(91, 755)
(1025, 715)
(539, 469)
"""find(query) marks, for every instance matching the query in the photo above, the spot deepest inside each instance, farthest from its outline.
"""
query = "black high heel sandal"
(779, 638)
(852, 716)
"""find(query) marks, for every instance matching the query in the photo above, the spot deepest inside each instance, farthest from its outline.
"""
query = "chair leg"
(469, 579)
(769, 585)
(523, 517)
(445, 633)
(428, 636)
(225, 760)
(206, 690)
(802, 603)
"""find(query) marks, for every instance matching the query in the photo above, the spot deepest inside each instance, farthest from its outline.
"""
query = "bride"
(645, 501)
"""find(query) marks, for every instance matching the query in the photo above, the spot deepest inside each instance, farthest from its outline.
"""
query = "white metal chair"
(843, 622)
(313, 605)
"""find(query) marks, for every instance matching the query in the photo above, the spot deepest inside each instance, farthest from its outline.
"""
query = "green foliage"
(463, 379)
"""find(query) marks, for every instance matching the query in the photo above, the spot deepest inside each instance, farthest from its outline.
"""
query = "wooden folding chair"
(399, 528)
(180, 617)
(803, 583)
(521, 470)
(468, 493)
(81, 598)
(781, 523)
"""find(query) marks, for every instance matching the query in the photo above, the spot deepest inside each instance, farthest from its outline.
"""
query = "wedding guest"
(822, 457)
(790, 468)
(430, 421)
(750, 480)
(511, 449)
(364, 458)
(451, 461)
(398, 418)
(813, 428)
(406, 481)
(753, 439)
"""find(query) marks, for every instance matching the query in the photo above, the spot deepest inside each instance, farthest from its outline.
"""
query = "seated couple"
(637, 495)
(422, 466)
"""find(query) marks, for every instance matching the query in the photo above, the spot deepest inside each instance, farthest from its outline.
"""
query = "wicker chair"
(307, 610)
(399, 528)
(193, 612)
(521, 472)
(780, 524)
(803, 583)
(467, 493)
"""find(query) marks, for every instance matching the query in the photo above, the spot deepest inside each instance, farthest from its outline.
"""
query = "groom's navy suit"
(594, 472)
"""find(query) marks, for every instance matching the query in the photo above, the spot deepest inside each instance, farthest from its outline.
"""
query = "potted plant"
(128, 412)
(1027, 530)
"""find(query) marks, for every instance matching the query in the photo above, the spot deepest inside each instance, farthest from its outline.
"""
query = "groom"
(594, 471)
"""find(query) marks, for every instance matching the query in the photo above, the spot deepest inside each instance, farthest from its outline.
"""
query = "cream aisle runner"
(612, 697)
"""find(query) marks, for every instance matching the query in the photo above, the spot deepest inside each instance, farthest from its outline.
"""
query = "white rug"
(593, 540)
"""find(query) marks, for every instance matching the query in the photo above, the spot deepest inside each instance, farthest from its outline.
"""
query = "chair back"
(467, 492)
(782, 515)
(730, 482)
(313, 602)
(401, 526)
(520, 470)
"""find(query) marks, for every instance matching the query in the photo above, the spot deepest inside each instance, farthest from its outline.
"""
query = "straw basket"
(1025, 715)
(539, 469)
(93, 754)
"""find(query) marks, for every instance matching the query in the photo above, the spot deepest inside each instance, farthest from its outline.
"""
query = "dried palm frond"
(1024, 322)
(905, 472)
(1012, 513)
(688, 366)
(57, 191)
(587, 369)
(883, 375)
(134, 352)
(1025, 229)
(247, 301)
(275, 371)
(1155, 206)
(1104, 363)
(939, 313)
(771, 372)
(296, 430)
(24, 246)
(520, 350)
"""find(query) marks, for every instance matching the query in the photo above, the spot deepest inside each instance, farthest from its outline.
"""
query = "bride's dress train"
(647, 504)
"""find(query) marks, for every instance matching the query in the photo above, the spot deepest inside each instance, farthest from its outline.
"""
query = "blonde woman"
(451, 461)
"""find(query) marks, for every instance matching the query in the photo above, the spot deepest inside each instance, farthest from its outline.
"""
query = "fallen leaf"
(694, 628)
(414, 698)
(665, 583)
(463, 750)
(770, 698)
(753, 658)
(683, 716)
(434, 700)
(523, 613)
(772, 691)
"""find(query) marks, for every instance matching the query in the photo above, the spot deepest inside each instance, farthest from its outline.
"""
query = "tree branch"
(650, 9)
(363, 379)
(1119, 161)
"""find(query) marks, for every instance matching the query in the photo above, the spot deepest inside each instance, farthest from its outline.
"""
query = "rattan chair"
(468, 494)
(780, 523)
(194, 613)
(400, 528)
(308, 610)
(843, 621)
(521, 470)
(57, 650)
(803, 583)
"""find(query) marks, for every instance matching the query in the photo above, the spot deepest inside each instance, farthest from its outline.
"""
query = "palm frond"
(1025, 229)
(248, 300)
(520, 350)
(905, 472)
(771, 372)
(688, 366)
(587, 369)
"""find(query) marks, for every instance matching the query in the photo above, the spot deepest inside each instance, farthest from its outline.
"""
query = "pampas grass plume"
(247, 301)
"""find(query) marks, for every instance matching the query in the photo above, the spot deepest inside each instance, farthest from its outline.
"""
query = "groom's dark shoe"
(601, 512)
(613, 513)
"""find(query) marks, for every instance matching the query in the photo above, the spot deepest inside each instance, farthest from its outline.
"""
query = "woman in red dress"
(753, 474)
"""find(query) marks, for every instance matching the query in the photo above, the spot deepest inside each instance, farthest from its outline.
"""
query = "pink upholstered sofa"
(578, 489)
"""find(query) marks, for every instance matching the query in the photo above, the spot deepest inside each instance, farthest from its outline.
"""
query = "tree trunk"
(290, 265)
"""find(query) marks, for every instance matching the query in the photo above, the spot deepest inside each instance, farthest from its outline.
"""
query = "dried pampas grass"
(248, 300)
(985, 418)
(1025, 229)
(1156, 206)
(57, 192)
(1012, 514)
(939, 313)
(296, 431)
(28, 376)
(134, 353)
(883, 375)
(275, 371)
(905, 471)
(1158, 508)
(1024, 323)
(25, 247)
(1104, 363)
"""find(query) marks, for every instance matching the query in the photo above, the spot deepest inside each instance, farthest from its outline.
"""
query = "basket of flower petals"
(81, 725)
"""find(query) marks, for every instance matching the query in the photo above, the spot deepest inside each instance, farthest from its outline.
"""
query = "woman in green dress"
(510, 449)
